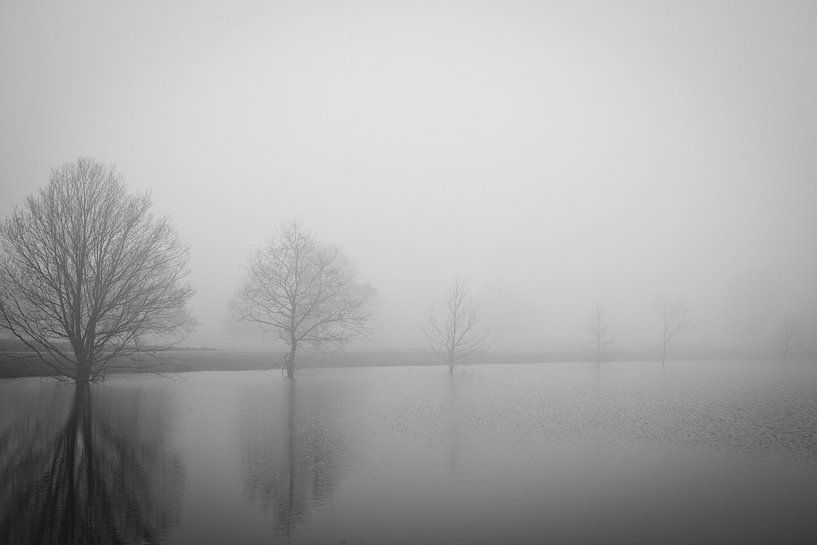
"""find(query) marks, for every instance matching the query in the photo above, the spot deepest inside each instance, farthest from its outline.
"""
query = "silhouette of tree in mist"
(88, 276)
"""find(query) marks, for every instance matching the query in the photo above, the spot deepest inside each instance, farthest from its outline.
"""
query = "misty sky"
(553, 154)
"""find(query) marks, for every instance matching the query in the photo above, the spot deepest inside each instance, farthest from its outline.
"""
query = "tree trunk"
(83, 375)
(293, 346)
(664, 356)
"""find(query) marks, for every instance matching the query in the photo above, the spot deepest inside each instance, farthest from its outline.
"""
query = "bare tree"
(88, 275)
(597, 337)
(454, 331)
(676, 321)
(304, 292)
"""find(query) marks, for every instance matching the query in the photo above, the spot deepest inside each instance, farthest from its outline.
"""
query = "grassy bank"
(19, 363)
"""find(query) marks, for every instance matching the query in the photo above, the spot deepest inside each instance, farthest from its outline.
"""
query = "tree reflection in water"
(94, 469)
(292, 450)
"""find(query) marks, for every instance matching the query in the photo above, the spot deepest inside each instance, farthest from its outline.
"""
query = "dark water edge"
(697, 453)
(17, 362)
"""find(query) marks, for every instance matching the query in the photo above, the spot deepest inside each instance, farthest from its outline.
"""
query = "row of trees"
(454, 331)
(676, 321)
(88, 277)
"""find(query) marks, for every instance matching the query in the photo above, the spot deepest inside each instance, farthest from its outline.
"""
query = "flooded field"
(562, 453)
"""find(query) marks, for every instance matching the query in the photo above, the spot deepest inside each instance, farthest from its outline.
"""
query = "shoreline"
(17, 364)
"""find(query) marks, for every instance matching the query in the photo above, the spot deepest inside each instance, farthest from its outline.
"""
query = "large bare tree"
(304, 292)
(89, 276)
(454, 331)
(676, 321)
(596, 335)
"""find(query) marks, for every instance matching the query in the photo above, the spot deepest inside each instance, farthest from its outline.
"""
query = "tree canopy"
(453, 330)
(304, 292)
(88, 275)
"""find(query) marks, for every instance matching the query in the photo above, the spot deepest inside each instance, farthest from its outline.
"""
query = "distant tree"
(88, 275)
(676, 321)
(454, 331)
(306, 293)
(596, 335)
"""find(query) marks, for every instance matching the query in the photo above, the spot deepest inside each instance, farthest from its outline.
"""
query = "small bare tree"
(454, 332)
(597, 337)
(676, 321)
(89, 276)
(304, 292)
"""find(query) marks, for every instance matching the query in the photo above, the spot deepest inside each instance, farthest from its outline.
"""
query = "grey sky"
(554, 154)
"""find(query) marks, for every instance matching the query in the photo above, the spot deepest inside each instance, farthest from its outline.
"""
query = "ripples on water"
(631, 453)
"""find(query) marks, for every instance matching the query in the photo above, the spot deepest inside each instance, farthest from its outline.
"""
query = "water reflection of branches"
(99, 474)
(292, 452)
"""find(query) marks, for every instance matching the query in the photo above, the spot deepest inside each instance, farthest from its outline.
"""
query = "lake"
(562, 453)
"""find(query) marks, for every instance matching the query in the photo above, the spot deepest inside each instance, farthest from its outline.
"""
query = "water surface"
(632, 453)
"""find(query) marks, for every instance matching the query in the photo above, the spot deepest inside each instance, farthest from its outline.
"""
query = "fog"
(554, 155)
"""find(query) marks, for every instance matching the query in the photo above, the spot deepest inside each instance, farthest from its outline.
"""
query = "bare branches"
(88, 275)
(306, 293)
(596, 335)
(454, 331)
(676, 321)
